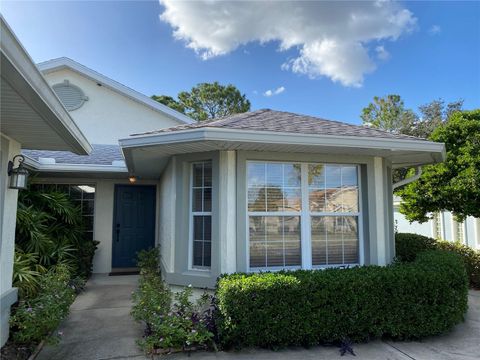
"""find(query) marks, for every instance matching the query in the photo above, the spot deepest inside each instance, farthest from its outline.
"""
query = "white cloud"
(434, 30)
(382, 54)
(273, 92)
(331, 37)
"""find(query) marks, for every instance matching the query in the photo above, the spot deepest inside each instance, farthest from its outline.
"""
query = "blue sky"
(435, 55)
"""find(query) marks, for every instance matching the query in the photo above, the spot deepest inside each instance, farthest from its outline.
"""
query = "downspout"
(418, 173)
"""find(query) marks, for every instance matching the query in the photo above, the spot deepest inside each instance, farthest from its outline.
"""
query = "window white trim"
(305, 220)
(192, 214)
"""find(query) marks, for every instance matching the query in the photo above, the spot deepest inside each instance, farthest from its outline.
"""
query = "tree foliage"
(389, 113)
(170, 102)
(453, 185)
(208, 101)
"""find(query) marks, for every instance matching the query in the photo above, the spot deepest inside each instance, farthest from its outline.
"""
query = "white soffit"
(31, 113)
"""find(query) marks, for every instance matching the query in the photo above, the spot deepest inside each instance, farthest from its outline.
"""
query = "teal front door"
(133, 223)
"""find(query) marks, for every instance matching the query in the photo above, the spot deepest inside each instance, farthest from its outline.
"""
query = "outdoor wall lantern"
(18, 175)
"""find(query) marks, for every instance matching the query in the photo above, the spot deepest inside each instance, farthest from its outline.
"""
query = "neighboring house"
(31, 117)
(442, 226)
(263, 190)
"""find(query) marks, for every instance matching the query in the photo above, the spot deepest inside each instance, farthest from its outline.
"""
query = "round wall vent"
(71, 96)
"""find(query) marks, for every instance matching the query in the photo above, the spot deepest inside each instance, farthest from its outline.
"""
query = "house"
(443, 225)
(263, 190)
(32, 117)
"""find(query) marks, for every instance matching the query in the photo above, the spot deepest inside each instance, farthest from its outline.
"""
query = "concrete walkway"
(99, 325)
(100, 328)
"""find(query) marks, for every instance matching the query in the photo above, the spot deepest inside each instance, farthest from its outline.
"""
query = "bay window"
(302, 215)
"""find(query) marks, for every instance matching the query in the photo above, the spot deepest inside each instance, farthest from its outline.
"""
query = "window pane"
(197, 253)
(207, 250)
(292, 175)
(274, 199)
(198, 228)
(207, 199)
(198, 175)
(317, 200)
(319, 240)
(274, 175)
(333, 184)
(256, 174)
(256, 199)
(334, 240)
(292, 200)
(350, 239)
(207, 173)
(197, 195)
(207, 228)
(349, 189)
(258, 254)
(274, 241)
(275, 253)
(316, 176)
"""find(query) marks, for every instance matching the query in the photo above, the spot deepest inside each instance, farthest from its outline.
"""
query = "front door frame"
(115, 204)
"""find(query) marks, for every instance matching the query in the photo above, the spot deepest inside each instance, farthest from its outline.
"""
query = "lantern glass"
(18, 178)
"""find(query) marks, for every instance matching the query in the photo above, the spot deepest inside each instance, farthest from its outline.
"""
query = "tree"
(389, 113)
(453, 185)
(208, 101)
(433, 115)
(170, 102)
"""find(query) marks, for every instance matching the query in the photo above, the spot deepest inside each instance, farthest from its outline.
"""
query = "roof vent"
(118, 163)
(46, 161)
(71, 96)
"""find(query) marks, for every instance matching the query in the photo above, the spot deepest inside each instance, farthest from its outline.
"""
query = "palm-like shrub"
(49, 233)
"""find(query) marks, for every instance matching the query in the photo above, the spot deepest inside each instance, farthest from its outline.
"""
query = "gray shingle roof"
(101, 155)
(280, 121)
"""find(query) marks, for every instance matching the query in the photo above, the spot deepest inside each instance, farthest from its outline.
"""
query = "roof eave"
(239, 135)
(52, 111)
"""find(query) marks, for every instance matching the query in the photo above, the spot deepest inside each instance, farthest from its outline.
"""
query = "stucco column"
(227, 212)
(8, 214)
(381, 214)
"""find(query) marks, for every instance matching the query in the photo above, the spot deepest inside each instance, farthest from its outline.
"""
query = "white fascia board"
(271, 137)
(66, 63)
(72, 168)
(57, 116)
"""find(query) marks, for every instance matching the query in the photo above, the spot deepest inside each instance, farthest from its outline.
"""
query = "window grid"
(201, 240)
(280, 248)
(78, 194)
(305, 215)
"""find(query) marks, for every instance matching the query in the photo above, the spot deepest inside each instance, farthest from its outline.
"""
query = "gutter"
(73, 168)
(418, 173)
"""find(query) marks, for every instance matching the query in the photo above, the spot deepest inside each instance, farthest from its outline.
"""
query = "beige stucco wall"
(8, 211)
(103, 215)
(107, 115)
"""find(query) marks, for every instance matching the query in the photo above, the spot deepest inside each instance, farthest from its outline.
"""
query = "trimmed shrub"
(407, 246)
(401, 301)
(34, 319)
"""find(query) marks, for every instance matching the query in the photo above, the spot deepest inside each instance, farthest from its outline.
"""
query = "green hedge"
(402, 301)
(407, 246)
